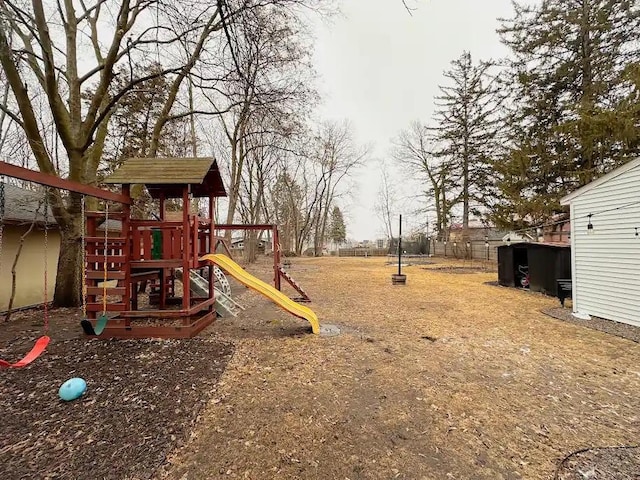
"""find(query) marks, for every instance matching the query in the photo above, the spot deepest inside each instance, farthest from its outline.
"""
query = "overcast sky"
(380, 68)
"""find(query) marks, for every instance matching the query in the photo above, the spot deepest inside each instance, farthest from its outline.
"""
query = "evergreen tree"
(338, 229)
(572, 112)
(467, 125)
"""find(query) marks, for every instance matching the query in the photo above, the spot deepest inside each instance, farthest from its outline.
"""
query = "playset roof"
(171, 175)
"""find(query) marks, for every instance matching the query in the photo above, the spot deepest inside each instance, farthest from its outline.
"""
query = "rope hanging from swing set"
(83, 247)
(43, 341)
(2, 206)
(46, 261)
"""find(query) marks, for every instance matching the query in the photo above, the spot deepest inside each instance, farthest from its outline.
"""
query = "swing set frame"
(42, 342)
(145, 251)
(51, 181)
(151, 253)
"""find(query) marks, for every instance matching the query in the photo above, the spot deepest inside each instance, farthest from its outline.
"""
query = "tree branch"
(29, 122)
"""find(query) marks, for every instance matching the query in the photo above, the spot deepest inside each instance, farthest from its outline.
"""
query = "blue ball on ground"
(72, 389)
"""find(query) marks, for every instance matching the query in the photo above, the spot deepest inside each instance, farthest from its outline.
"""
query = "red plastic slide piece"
(36, 351)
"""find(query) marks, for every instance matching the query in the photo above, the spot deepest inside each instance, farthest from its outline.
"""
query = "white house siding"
(606, 264)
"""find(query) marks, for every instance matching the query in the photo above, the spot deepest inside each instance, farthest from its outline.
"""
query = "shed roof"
(599, 181)
(25, 206)
(531, 245)
(170, 175)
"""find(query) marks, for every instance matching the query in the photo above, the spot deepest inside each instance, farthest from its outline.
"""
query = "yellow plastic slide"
(279, 298)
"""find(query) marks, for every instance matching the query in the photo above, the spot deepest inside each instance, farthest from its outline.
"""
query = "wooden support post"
(162, 206)
(186, 250)
(165, 248)
(90, 249)
(163, 288)
(212, 232)
(127, 249)
(134, 295)
(195, 239)
(56, 182)
(276, 257)
(212, 247)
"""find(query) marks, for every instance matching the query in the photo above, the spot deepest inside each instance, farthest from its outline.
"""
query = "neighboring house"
(559, 231)
(477, 231)
(411, 245)
(237, 245)
(22, 208)
(517, 237)
(605, 241)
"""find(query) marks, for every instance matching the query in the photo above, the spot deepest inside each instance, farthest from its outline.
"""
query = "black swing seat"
(89, 329)
(87, 326)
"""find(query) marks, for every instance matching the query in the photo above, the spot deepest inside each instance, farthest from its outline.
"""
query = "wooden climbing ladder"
(101, 249)
(303, 295)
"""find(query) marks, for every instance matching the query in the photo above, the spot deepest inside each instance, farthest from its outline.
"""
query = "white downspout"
(574, 283)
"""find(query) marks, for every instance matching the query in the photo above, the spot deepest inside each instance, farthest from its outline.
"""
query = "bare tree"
(65, 48)
(386, 202)
(269, 95)
(330, 158)
(260, 168)
(286, 198)
(415, 151)
(18, 254)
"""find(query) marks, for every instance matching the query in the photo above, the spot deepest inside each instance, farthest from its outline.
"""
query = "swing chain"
(2, 207)
(46, 254)
(106, 240)
(84, 258)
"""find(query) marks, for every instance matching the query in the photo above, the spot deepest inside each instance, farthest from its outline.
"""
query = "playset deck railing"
(154, 241)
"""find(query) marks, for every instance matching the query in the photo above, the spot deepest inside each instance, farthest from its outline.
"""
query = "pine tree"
(467, 125)
(572, 116)
(338, 229)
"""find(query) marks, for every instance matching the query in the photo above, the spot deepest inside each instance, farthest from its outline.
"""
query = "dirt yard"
(142, 399)
(446, 377)
(443, 378)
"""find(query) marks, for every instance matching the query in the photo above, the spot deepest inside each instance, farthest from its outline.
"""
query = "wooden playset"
(122, 253)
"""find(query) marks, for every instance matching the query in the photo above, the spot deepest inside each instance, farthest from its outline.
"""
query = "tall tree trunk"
(251, 246)
(237, 168)
(438, 201)
(465, 185)
(588, 171)
(68, 291)
(445, 214)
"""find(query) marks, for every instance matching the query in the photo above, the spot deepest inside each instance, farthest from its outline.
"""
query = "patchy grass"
(445, 377)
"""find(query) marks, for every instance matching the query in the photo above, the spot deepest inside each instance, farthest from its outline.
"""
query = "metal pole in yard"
(400, 247)
(399, 278)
